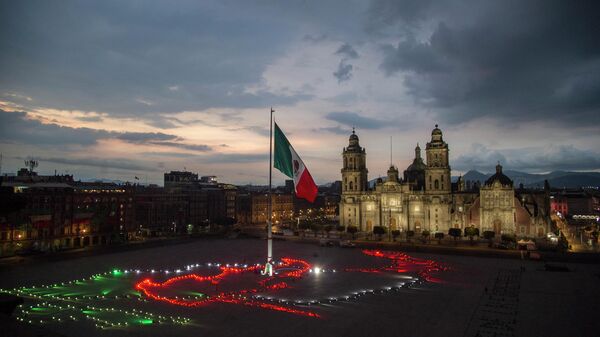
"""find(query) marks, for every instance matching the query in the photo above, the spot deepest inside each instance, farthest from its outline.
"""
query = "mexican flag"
(289, 163)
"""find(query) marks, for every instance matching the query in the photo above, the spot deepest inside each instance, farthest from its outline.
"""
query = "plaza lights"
(107, 299)
(287, 268)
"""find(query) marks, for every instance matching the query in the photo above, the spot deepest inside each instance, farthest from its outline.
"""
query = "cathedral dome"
(417, 164)
(353, 144)
(500, 177)
(436, 136)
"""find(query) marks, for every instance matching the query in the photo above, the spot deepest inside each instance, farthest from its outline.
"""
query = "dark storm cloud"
(129, 59)
(385, 14)
(343, 72)
(15, 127)
(347, 51)
(516, 61)
(352, 119)
(553, 157)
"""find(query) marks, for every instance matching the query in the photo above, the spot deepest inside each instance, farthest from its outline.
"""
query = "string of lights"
(102, 298)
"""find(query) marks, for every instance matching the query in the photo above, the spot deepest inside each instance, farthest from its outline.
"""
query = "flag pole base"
(268, 271)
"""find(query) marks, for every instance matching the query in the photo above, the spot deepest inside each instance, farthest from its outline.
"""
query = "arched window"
(350, 186)
(345, 162)
(436, 184)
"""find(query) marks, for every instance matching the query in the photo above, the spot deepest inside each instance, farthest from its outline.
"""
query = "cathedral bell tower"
(354, 171)
(437, 173)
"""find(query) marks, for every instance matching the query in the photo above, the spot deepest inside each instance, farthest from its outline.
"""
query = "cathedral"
(425, 198)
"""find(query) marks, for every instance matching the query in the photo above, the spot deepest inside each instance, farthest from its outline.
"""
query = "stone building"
(497, 203)
(426, 198)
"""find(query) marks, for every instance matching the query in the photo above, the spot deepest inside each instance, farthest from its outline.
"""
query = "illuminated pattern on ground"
(132, 297)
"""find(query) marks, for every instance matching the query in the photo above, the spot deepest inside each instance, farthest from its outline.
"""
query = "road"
(570, 235)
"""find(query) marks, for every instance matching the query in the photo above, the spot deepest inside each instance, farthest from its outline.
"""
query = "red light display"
(288, 269)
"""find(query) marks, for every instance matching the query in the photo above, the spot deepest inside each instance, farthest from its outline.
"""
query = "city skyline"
(118, 90)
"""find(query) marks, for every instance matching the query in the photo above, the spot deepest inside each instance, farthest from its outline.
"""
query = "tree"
(352, 230)
(11, 205)
(425, 234)
(409, 235)
(439, 236)
(455, 233)
(315, 227)
(379, 231)
(489, 235)
(395, 234)
(225, 221)
(509, 238)
(594, 236)
(304, 225)
(471, 232)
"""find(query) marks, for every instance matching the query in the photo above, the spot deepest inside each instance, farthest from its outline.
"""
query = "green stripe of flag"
(283, 156)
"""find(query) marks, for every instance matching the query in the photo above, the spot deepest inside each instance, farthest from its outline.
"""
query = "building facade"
(426, 199)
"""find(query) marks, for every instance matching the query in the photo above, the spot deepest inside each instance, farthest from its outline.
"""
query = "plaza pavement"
(477, 296)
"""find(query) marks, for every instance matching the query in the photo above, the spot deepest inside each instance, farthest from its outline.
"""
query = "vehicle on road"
(347, 244)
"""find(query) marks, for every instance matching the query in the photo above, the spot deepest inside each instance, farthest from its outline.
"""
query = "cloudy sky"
(118, 89)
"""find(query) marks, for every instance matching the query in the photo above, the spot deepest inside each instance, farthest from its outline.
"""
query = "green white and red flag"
(289, 163)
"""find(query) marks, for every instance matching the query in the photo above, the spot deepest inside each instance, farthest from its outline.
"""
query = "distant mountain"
(580, 179)
(475, 176)
(556, 179)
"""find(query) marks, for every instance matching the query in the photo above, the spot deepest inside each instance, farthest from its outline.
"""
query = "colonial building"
(426, 198)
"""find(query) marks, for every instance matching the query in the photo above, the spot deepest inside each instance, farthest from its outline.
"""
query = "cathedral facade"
(426, 199)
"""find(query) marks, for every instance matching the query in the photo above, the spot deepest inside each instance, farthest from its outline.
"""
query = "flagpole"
(269, 265)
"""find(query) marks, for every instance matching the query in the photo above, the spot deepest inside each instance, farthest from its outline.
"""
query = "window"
(436, 184)
(351, 186)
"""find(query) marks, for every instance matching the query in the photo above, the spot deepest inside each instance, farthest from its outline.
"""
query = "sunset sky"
(118, 89)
